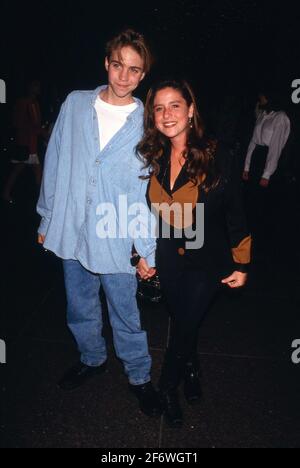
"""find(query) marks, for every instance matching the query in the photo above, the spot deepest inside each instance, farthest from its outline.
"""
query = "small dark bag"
(149, 290)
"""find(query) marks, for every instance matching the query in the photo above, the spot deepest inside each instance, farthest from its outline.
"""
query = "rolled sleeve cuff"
(151, 260)
(43, 227)
(242, 268)
(146, 249)
(267, 176)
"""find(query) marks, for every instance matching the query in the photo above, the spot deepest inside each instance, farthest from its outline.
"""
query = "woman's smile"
(169, 124)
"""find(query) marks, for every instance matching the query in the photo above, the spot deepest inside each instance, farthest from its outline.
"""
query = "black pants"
(188, 295)
(262, 203)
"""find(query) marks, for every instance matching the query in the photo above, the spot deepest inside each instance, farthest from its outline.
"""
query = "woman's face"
(171, 113)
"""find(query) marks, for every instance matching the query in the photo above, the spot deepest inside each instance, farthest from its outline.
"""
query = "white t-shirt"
(111, 118)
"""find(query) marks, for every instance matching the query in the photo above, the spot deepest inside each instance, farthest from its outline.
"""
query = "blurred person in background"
(262, 169)
(271, 133)
(27, 124)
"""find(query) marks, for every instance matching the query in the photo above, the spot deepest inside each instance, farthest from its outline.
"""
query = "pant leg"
(257, 196)
(193, 357)
(188, 298)
(130, 340)
(84, 314)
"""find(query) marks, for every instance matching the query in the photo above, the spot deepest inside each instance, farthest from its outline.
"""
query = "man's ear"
(106, 64)
(143, 76)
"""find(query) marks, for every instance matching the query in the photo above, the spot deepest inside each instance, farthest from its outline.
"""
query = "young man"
(91, 165)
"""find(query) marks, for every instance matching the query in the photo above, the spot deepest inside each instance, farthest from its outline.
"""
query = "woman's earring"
(191, 122)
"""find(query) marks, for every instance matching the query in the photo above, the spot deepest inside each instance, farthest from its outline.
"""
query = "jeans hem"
(139, 382)
(92, 364)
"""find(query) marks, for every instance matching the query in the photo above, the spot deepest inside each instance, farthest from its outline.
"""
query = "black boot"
(192, 386)
(169, 382)
(148, 399)
(79, 375)
(172, 409)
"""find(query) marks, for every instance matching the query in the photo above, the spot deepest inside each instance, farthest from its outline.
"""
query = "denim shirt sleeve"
(145, 236)
(46, 198)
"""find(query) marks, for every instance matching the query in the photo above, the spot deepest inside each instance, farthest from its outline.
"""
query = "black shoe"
(192, 387)
(78, 376)
(172, 408)
(148, 399)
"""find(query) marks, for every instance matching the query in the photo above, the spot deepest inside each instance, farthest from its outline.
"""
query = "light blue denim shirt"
(78, 177)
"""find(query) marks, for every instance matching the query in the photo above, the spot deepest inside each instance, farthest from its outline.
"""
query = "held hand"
(246, 176)
(236, 280)
(144, 270)
(41, 239)
(264, 183)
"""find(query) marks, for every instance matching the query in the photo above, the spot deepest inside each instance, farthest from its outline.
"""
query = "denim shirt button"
(89, 201)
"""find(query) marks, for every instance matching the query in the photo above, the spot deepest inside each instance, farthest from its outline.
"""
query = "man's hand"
(246, 176)
(264, 183)
(41, 239)
(144, 270)
(236, 280)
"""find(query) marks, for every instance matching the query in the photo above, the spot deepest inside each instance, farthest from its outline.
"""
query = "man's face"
(125, 70)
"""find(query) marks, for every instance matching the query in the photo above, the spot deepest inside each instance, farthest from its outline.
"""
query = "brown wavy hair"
(200, 151)
(136, 41)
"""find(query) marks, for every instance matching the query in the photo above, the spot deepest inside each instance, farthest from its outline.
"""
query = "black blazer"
(227, 241)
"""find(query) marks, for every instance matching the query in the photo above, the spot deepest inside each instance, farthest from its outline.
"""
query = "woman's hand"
(236, 280)
(41, 239)
(264, 183)
(144, 270)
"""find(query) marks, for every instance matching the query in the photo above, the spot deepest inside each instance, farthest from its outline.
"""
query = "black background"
(221, 46)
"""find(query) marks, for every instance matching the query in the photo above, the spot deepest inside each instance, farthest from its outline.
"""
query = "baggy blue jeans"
(84, 317)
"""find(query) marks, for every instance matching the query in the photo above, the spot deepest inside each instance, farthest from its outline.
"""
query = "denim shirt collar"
(135, 116)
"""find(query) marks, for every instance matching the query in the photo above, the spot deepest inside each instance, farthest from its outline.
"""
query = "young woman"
(263, 165)
(186, 169)
(271, 133)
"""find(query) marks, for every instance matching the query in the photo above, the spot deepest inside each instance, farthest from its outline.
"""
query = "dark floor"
(251, 387)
